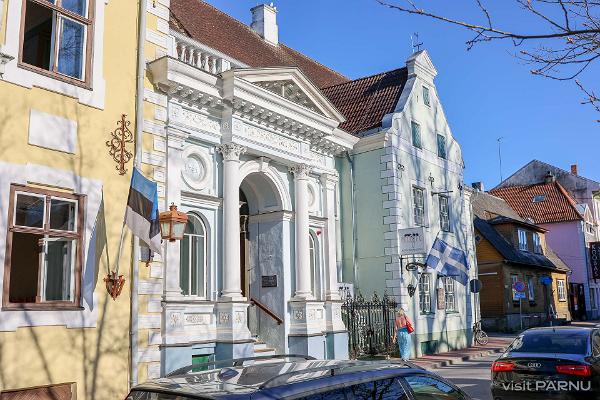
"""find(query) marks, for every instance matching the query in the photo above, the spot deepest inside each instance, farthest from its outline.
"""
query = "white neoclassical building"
(248, 152)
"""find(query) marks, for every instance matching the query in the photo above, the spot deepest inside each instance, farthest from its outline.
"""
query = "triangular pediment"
(291, 84)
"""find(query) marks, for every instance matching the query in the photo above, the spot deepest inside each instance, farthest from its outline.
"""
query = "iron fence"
(370, 324)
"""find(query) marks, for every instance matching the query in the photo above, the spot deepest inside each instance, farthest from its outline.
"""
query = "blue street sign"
(519, 286)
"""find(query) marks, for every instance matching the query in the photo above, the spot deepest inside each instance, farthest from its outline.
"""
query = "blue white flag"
(449, 261)
(141, 215)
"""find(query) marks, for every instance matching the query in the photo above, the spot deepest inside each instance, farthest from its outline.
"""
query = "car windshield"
(550, 342)
(143, 395)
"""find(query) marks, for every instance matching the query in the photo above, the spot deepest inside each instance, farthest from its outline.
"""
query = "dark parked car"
(549, 363)
(294, 377)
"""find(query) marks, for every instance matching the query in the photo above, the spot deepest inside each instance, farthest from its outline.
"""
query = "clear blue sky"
(486, 92)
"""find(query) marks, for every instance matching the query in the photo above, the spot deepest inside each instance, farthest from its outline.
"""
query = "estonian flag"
(141, 215)
(449, 261)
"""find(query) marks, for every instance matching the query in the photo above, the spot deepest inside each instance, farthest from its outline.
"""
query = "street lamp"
(172, 224)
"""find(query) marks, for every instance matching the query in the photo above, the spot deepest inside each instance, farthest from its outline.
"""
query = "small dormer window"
(522, 240)
(426, 99)
(539, 198)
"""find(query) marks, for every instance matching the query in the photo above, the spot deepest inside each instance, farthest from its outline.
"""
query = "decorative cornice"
(301, 171)
(231, 151)
(329, 180)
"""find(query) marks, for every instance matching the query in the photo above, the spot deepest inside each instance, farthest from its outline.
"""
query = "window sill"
(42, 307)
(429, 314)
(452, 312)
(55, 75)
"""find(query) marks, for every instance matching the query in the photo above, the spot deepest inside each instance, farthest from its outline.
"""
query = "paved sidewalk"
(496, 345)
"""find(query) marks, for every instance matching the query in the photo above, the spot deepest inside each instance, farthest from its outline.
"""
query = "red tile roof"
(214, 28)
(365, 101)
(557, 206)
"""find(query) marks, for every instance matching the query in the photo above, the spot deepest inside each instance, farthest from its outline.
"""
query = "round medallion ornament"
(197, 167)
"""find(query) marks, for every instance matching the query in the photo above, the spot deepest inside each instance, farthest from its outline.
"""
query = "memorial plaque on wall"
(269, 281)
(595, 259)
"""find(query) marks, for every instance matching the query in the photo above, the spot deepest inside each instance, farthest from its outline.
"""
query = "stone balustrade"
(195, 54)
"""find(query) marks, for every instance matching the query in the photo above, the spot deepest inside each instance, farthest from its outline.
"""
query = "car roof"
(273, 375)
(566, 330)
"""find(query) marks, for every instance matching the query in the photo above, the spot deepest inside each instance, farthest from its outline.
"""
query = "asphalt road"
(471, 376)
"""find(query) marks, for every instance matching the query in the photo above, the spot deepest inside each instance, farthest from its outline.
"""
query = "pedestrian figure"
(402, 330)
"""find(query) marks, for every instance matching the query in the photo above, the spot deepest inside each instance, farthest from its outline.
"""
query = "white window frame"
(450, 293)
(94, 95)
(414, 124)
(425, 293)
(419, 209)
(444, 216)
(315, 267)
(561, 290)
(522, 236)
(537, 243)
(531, 287)
(437, 144)
(426, 96)
(204, 265)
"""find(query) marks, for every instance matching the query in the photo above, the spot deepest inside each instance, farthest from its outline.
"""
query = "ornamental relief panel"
(265, 137)
(193, 119)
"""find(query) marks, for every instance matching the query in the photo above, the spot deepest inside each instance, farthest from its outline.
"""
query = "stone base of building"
(310, 345)
(233, 350)
(174, 357)
(511, 323)
(439, 342)
(337, 345)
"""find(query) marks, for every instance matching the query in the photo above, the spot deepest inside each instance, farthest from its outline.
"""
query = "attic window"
(539, 198)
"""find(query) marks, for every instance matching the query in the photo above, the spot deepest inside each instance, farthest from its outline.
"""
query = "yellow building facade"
(67, 75)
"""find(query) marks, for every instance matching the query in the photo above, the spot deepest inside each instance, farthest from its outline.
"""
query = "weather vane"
(415, 38)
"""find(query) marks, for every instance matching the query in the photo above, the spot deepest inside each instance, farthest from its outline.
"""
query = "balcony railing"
(197, 55)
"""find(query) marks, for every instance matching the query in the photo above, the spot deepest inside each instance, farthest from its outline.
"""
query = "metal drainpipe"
(139, 121)
(352, 197)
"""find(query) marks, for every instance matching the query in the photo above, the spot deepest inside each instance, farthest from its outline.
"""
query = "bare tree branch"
(568, 41)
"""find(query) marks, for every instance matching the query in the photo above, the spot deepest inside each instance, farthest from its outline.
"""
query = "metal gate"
(370, 325)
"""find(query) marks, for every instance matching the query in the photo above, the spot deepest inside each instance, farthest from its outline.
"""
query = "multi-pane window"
(537, 243)
(45, 245)
(192, 271)
(441, 146)
(531, 288)
(522, 240)
(444, 214)
(425, 293)
(560, 288)
(426, 98)
(416, 134)
(419, 206)
(56, 37)
(450, 293)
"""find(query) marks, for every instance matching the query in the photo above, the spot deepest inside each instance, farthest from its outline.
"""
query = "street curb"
(458, 360)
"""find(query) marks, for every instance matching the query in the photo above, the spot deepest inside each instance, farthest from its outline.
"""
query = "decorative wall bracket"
(114, 284)
(118, 144)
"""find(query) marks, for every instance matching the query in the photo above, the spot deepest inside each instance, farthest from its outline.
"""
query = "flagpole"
(120, 247)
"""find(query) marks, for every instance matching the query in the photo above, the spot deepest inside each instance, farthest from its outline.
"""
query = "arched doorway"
(264, 256)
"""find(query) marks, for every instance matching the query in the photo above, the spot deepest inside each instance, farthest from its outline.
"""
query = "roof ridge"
(365, 77)
(249, 29)
(569, 198)
(316, 62)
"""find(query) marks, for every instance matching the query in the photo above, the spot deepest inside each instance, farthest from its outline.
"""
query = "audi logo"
(534, 365)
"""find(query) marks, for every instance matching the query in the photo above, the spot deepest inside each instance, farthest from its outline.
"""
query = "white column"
(231, 221)
(301, 222)
(328, 183)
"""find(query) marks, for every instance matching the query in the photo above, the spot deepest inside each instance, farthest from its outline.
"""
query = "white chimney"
(264, 22)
